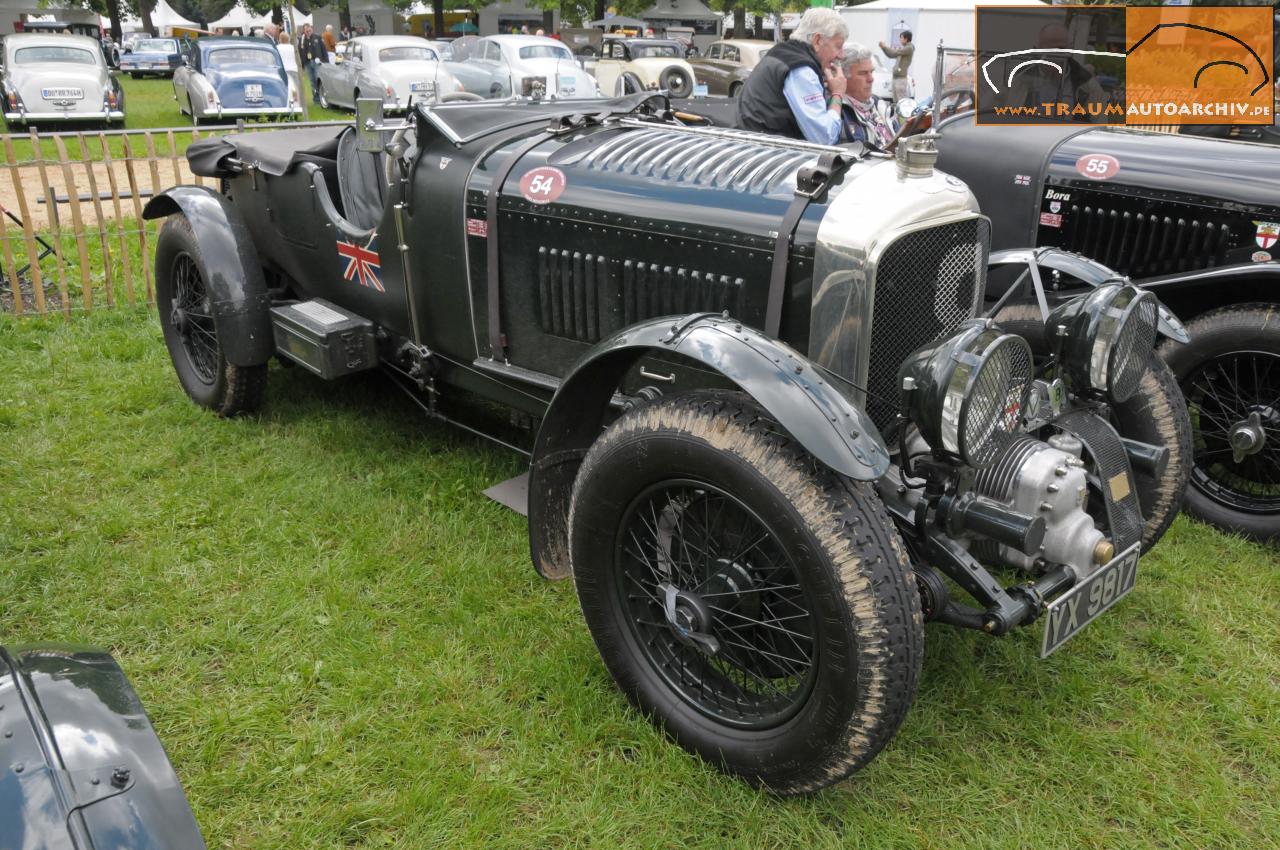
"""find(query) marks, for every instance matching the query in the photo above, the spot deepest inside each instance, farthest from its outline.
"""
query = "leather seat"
(361, 182)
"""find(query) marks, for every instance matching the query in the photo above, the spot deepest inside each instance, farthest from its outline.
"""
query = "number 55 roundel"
(1098, 166)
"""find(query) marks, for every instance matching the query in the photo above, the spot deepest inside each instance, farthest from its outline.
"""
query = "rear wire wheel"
(757, 606)
(191, 328)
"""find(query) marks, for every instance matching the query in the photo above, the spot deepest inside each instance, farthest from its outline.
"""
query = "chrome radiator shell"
(876, 223)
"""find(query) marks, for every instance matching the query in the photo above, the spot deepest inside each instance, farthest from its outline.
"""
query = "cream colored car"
(629, 65)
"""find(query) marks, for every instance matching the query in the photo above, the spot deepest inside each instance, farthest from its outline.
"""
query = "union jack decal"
(363, 263)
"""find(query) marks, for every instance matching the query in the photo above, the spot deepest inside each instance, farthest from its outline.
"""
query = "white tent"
(931, 22)
(245, 20)
(163, 16)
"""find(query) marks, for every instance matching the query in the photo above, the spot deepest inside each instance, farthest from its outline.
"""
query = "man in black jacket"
(785, 94)
(313, 53)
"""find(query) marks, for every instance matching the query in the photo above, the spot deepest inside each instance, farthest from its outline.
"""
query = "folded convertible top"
(272, 152)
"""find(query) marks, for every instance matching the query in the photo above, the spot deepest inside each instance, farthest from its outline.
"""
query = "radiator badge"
(1050, 220)
(478, 227)
(1022, 179)
(363, 263)
(1098, 166)
(1261, 257)
(542, 185)
(1267, 233)
(1055, 206)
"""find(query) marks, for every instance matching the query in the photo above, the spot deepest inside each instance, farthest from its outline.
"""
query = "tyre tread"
(874, 571)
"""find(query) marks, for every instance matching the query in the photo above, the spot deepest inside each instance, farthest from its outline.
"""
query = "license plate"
(159, 64)
(253, 91)
(1080, 605)
(567, 91)
(421, 87)
(65, 93)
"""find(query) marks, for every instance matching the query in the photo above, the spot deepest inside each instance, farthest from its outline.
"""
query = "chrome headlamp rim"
(1105, 332)
(950, 377)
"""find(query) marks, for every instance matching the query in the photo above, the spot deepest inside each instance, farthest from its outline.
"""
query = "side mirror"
(369, 124)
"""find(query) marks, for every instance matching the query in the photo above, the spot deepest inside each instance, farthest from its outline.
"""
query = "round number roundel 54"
(542, 185)
(1098, 166)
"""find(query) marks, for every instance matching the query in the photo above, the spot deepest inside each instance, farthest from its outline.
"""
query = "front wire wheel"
(757, 606)
(1230, 374)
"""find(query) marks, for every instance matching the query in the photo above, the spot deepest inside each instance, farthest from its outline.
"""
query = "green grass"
(149, 104)
(342, 643)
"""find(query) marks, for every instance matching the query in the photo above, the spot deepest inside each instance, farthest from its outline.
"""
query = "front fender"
(791, 388)
(82, 766)
(238, 293)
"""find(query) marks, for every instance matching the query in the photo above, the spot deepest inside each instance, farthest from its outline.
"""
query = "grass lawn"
(342, 643)
(149, 104)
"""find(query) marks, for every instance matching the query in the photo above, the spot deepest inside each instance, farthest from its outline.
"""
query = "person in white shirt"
(290, 56)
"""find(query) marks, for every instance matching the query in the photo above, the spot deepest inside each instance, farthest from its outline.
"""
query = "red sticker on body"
(1098, 166)
(1050, 220)
(542, 185)
(478, 227)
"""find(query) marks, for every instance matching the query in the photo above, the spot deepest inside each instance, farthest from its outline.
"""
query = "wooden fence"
(72, 238)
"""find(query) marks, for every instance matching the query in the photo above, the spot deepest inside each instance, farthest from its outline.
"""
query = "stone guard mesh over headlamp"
(965, 392)
(1109, 336)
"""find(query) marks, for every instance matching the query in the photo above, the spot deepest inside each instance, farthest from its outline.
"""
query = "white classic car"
(57, 78)
(396, 68)
(628, 65)
(523, 65)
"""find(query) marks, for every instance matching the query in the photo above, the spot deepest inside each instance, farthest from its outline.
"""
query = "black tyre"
(1155, 414)
(588, 52)
(191, 330)
(735, 89)
(758, 607)
(1230, 375)
(320, 95)
(677, 81)
(629, 83)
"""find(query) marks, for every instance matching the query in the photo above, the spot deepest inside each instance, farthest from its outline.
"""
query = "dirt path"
(167, 173)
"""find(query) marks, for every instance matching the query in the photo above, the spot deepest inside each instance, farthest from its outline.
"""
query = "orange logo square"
(1199, 65)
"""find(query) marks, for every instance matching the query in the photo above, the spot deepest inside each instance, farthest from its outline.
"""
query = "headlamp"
(1107, 336)
(965, 392)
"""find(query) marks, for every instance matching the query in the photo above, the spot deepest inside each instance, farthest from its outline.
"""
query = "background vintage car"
(725, 65)
(1196, 220)
(638, 64)
(232, 77)
(396, 68)
(505, 65)
(148, 56)
(57, 78)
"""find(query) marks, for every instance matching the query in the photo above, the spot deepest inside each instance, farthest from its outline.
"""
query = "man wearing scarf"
(865, 117)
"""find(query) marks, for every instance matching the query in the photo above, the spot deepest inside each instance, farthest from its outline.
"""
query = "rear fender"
(237, 288)
(796, 392)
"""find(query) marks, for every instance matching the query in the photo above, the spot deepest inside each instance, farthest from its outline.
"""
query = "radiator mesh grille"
(926, 285)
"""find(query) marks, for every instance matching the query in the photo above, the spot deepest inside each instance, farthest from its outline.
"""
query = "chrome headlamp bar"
(1107, 336)
(965, 393)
